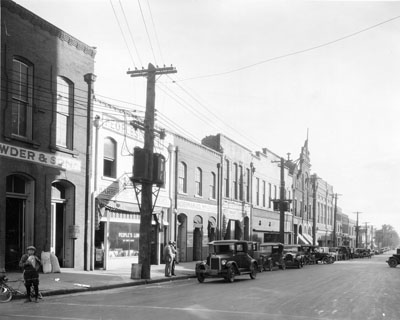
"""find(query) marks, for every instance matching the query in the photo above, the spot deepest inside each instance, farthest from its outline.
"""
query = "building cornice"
(47, 26)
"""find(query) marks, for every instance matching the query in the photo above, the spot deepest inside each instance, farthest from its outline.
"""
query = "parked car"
(227, 259)
(309, 253)
(270, 255)
(293, 256)
(323, 255)
(394, 260)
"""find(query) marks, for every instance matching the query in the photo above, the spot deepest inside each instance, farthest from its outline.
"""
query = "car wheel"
(253, 273)
(325, 260)
(230, 277)
(392, 263)
(200, 277)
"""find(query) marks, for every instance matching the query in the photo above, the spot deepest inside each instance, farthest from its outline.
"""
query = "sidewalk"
(72, 281)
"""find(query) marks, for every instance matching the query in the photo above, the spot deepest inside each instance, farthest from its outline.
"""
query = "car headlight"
(223, 262)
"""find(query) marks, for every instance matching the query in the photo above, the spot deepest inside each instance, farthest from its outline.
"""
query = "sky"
(263, 73)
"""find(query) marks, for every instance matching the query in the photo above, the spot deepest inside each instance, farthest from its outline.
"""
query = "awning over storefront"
(308, 238)
(303, 240)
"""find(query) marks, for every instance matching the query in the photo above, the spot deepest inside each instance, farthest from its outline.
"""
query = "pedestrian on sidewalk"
(175, 261)
(168, 256)
(31, 264)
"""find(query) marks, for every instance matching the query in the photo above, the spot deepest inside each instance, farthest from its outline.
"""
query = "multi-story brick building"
(302, 204)
(236, 168)
(197, 172)
(116, 198)
(45, 79)
(266, 191)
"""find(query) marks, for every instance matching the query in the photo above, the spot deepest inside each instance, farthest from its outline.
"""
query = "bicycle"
(7, 292)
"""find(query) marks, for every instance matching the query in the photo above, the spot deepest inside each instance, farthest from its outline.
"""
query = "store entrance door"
(15, 209)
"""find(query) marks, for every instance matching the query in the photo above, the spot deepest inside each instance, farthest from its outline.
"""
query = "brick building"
(43, 130)
(196, 197)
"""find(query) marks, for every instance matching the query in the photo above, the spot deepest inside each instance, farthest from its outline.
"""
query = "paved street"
(356, 289)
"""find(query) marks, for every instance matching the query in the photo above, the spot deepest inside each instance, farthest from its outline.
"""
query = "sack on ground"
(55, 265)
(46, 262)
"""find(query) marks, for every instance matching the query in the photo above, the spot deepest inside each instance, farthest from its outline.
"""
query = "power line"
(147, 32)
(122, 33)
(155, 32)
(130, 33)
(292, 53)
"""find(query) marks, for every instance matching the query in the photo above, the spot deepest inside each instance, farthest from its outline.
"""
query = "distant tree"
(387, 237)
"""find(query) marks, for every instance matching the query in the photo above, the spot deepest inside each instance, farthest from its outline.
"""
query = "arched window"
(182, 177)
(22, 92)
(110, 158)
(64, 118)
(199, 182)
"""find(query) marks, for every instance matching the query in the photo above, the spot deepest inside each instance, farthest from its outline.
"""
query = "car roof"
(271, 244)
(227, 241)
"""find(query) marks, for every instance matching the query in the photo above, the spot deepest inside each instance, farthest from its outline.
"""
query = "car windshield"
(267, 249)
(223, 248)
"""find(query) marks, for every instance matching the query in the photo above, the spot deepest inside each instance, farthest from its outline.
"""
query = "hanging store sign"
(47, 159)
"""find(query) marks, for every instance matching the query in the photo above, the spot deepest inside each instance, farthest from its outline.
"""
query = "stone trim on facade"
(47, 26)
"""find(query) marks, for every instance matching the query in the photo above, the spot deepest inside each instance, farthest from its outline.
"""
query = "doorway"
(62, 217)
(19, 218)
(15, 212)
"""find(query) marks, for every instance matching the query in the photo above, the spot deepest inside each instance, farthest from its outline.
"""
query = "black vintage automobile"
(293, 255)
(394, 260)
(310, 253)
(227, 259)
(270, 255)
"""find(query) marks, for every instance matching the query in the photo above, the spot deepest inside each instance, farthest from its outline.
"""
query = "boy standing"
(31, 264)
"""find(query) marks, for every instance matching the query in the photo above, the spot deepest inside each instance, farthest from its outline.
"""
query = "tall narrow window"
(248, 185)
(240, 183)
(199, 182)
(22, 92)
(269, 195)
(65, 104)
(257, 191)
(182, 177)
(235, 181)
(226, 178)
(110, 158)
(263, 193)
(213, 183)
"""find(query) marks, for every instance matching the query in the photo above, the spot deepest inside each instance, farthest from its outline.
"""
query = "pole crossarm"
(157, 71)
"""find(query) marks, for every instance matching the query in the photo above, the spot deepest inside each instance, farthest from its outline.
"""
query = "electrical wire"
(130, 33)
(155, 32)
(122, 33)
(147, 32)
(292, 53)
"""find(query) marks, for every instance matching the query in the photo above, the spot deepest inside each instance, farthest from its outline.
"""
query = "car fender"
(201, 265)
(234, 264)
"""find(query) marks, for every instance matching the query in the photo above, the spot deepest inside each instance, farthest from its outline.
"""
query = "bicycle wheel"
(5, 293)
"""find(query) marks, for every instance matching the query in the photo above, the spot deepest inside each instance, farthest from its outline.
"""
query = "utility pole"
(281, 203)
(146, 208)
(334, 221)
(366, 235)
(357, 228)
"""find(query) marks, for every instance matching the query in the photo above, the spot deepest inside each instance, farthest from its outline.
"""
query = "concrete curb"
(108, 287)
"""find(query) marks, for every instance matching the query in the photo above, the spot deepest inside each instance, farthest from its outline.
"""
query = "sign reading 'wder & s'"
(46, 159)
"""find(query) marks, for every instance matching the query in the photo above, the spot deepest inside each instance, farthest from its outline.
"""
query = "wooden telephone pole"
(146, 208)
